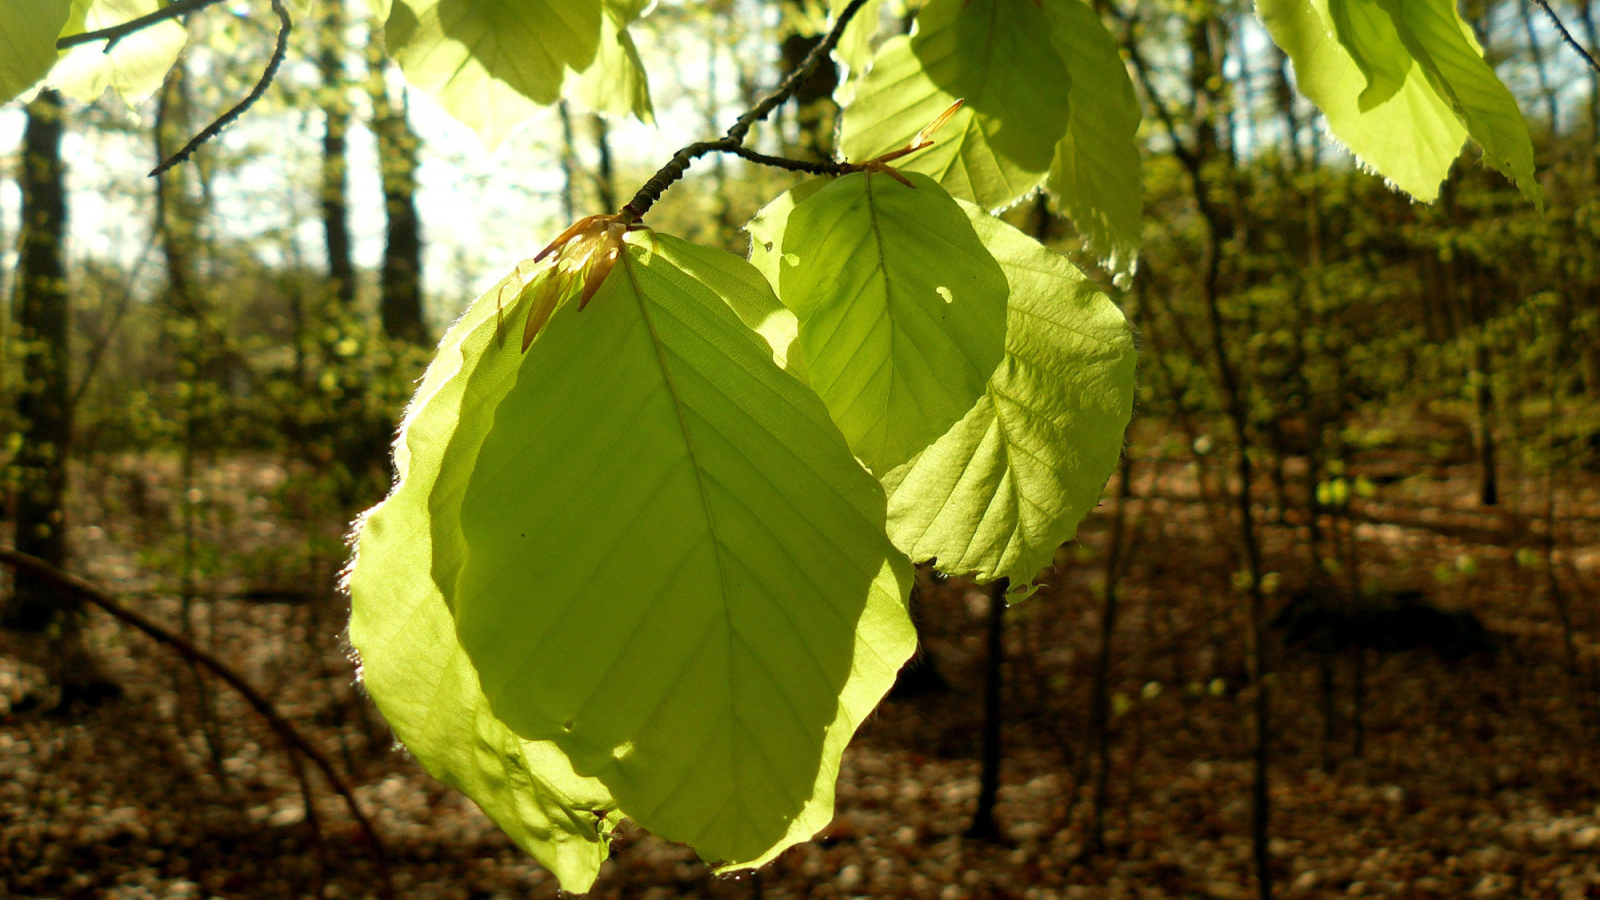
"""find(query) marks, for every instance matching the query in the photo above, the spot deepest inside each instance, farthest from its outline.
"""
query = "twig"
(1567, 35)
(117, 32)
(733, 141)
(285, 25)
(812, 167)
(291, 738)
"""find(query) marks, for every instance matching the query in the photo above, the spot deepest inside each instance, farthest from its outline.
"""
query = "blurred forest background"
(1395, 406)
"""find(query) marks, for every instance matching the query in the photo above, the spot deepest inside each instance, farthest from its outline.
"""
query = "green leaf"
(411, 662)
(488, 62)
(902, 310)
(854, 49)
(1367, 33)
(1096, 175)
(137, 64)
(676, 571)
(1411, 139)
(616, 82)
(1444, 48)
(28, 32)
(997, 56)
(996, 495)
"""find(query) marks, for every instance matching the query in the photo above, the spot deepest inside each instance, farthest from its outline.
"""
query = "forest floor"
(1433, 778)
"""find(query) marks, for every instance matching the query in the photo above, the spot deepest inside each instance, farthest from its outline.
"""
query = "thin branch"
(285, 25)
(292, 739)
(103, 341)
(812, 167)
(1567, 35)
(733, 141)
(117, 32)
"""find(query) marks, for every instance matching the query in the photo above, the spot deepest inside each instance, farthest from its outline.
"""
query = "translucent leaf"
(675, 569)
(488, 62)
(1096, 176)
(997, 56)
(902, 310)
(998, 493)
(1367, 33)
(28, 32)
(1445, 50)
(854, 49)
(137, 64)
(616, 82)
(1411, 139)
(411, 662)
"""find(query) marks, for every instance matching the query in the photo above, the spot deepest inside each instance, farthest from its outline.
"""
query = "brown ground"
(1478, 778)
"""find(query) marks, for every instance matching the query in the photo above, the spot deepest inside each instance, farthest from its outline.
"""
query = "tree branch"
(812, 167)
(285, 25)
(292, 739)
(733, 140)
(117, 32)
(1567, 35)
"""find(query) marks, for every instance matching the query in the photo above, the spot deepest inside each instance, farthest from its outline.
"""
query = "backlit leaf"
(1411, 139)
(616, 82)
(997, 56)
(1095, 176)
(674, 568)
(997, 494)
(412, 664)
(488, 62)
(854, 49)
(28, 32)
(137, 64)
(1445, 50)
(1367, 33)
(902, 310)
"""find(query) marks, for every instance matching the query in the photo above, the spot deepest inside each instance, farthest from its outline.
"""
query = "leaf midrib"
(679, 410)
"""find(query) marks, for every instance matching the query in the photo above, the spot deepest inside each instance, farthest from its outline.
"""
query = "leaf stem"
(733, 140)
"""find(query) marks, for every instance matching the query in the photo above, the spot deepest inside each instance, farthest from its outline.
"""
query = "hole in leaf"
(944, 292)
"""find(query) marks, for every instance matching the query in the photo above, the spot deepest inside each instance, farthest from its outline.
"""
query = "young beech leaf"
(672, 567)
(998, 56)
(411, 662)
(616, 82)
(28, 32)
(1411, 139)
(1449, 55)
(1003, 488)
(1365, 30)
(137, 64)
(1096, 176)
(902, 310)
(488, 62)
(999, 492)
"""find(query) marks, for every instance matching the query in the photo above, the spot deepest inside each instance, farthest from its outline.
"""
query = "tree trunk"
(336, 122)
(604, 179)
(44, 417)
(983, 826)
(400, 307)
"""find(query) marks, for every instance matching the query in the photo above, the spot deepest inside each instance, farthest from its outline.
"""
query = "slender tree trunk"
(1537, 52)
(569, 165)
(336, 123)
(1100, 698)
(1489, 481)
(983, 824)
(604, 179)
(44, 416)
(400, 306)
